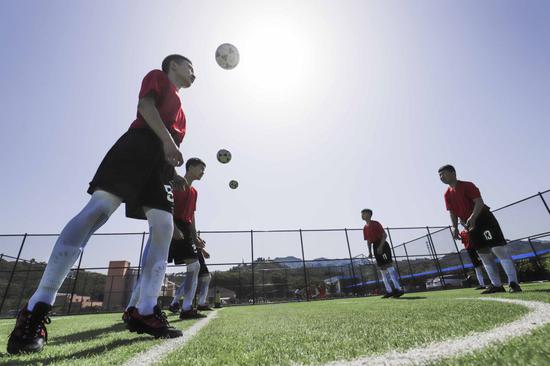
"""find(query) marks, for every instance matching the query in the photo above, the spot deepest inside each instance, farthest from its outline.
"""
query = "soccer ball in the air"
(233, 184)
(224, 156)
(227, 56)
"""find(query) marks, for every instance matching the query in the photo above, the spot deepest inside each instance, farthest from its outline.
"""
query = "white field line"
(537, 317)
(155, 354)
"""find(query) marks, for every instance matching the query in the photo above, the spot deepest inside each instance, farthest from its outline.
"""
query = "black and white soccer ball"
(224, 156)
(227, 56)
(233, 184)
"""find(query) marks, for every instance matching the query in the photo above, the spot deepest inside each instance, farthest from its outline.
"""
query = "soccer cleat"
(480, 287)
(387, 295)
(174, 308)
(398, 293)
(155, 324)
(128, 319)
(493, 289)
(191, 314)
(204, 308)
(514, 287)
(30, 334)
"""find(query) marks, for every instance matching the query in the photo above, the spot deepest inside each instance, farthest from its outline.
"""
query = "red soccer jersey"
(185, 204)
(465, 239)
(373, 232)
(167, 101)
(460, 200)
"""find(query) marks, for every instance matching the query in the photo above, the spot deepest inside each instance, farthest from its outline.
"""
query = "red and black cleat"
(30, 334)
(155, 324)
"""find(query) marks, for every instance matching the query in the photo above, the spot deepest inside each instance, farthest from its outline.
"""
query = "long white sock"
(204, 285)
(507, 263)
(479, 275)
(67, 248)
(179, 291)
(152, 275)
(134, 299)
(490, 265)
(386, 279)
(190, 284)
(394, 278)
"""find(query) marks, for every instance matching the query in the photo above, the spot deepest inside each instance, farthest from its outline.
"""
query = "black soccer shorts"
(135, 170)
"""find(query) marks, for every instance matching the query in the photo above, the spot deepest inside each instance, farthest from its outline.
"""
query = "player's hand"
(455, 233)
(179, 183)
(172, 154)
(470, 223)
(205, 254)
(199, 243)
(177, 235)
(379, 251)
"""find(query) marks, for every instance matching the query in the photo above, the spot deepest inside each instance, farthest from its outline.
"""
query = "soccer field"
(359, 330)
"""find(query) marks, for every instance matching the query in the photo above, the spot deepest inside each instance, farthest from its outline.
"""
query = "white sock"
(179, 292)
(479, 274)
(489, 263)
(394, 278)
(152, 274)
(386, 279)
(134, 299)
(507, 263)
(204, 284)
(73, 237)
(190, 284)
(61, 260)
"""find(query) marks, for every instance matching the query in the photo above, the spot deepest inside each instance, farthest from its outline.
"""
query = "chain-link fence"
(261, 266)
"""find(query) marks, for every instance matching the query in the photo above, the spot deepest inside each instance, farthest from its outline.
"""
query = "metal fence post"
(437, 264)
(537, 260)
(75, 280)
(350, 257)
(23, 288)
(544, 202)
(12, 273)
(304, 265)
(408, 261)
(252, 266)
(459, 256)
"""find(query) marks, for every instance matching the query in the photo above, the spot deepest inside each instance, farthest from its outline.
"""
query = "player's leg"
(190, 289)
(149, 318)
(204, 284)
(175, 306)
(394, 278)
(29, 333)
(478, 267)
(489, 262)
(386, 280)
(507, 263)
(134, 298)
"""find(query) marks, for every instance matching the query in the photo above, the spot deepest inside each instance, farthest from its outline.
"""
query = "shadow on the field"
(88, 334)
(411, 298)
(90, 352)
(545, 290)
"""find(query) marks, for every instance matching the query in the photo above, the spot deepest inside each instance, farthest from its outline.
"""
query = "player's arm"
(478, 207)
(454, 221)
(369, 245)
(198, 241)
(177, 235)
(205, 254)
(380, 247)
(149, 112)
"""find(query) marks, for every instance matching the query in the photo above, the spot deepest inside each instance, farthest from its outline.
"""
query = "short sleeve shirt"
(185, 204)
(167, 101)
(373, 232)
(460, 199)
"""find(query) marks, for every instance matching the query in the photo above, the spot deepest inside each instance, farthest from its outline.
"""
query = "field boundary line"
(538, 316)
(158, 352)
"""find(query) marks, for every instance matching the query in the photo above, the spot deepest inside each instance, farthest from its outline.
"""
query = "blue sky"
(335, 106)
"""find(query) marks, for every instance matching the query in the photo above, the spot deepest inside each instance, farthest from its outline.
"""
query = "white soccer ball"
(224, 156)
(227, 56)
(233, 184)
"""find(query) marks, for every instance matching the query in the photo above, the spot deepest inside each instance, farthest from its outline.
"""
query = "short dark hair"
(447, 167)
(194, 162)
(168, 59)
(367, 210)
